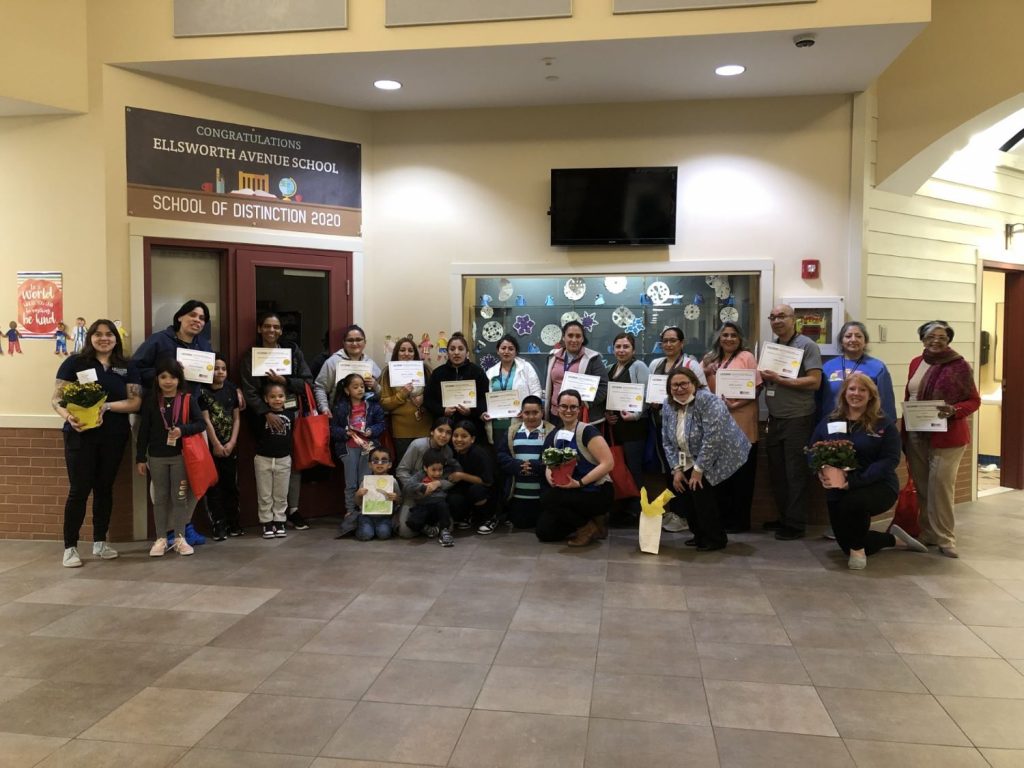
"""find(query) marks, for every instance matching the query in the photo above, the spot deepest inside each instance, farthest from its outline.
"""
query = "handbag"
(907, 512)
(622, 479)
(199, 466)
(311, 436)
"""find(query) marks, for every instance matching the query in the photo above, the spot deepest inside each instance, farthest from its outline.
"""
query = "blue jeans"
(373, 526)
(355, 464)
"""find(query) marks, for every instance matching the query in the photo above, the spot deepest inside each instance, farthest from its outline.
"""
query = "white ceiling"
(844, 60)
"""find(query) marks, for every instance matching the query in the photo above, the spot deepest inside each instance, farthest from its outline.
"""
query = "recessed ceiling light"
(387, 85)
(730, 70)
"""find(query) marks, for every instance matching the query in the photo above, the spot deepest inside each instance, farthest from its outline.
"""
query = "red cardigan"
(956, 376)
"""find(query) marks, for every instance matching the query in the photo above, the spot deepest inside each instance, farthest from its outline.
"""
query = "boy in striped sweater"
(519, 459)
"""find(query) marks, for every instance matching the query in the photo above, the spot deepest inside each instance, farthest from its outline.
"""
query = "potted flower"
(561, 462)
(84, 402)
(832, 453)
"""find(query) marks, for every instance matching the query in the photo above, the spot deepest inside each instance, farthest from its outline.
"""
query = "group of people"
(455, 467)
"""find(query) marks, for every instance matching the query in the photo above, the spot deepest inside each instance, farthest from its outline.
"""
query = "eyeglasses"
(773, 318)
(355, 341)
(936, 338)
(680, 384)
(380, 461)
(562, 407)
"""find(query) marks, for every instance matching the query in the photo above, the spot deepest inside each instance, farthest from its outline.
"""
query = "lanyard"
(175, 413)
(505, 382)
(850, 373)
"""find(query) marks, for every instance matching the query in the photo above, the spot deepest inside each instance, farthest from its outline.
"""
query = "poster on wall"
(192, 169)
(40, 304)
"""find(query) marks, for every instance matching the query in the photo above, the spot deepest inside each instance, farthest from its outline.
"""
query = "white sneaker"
(857, 562)
(181, 546)
(673, 523)
(103, 550)
(912, 544)
(159, 547)
(71, 558)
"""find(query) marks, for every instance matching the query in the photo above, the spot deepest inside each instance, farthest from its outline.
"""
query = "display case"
(533, 308)
(819, 318)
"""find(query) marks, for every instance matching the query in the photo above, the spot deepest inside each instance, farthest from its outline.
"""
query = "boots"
(585, 535)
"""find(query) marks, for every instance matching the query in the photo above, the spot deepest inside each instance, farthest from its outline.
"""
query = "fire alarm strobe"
(810, 269)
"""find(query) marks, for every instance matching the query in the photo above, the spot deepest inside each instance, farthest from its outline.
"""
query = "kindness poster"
(40, 303)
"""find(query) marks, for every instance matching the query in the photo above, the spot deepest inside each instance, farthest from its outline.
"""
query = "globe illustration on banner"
(287, 186)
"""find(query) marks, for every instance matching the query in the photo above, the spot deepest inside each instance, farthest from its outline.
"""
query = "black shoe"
(220, 532)
(773, 525)
(691, 543)
(268, 530)
(236, 530)
(738, 530)
(298, 521)
(710, 547)
(279, 531)
(789, 534)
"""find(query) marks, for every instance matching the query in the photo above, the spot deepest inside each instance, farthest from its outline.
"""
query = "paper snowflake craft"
(636, 326)
(488, 361)
(588, 321)
(523, 325)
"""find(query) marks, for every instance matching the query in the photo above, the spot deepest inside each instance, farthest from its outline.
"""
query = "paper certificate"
(402, 372)
(456, 393)
(923, 416)
(198, 365)
(627, 398)
(363, 367)
(267, 359)
(656, 388)
(374, 502)
(504, 405)
(739, 384)
(583, 383)
(781, 359)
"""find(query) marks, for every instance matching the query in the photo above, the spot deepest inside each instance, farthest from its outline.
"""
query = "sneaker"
(298, 521)
(103, 550)
(159, 547)
(785, 533)
(857, 562)
(193, 537)
(268, 530)
(462, 525)
(279, 531)
(673, 523)
(182, 547)
(912, 544)
(71, 558)
(445, 538)
(829, 534)
(220, 532)
(431, 531)
(488, 527)
(236, 530)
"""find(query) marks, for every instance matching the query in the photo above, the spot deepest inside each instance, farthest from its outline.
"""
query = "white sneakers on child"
(181, 546)
(71, 558)
(103, 551)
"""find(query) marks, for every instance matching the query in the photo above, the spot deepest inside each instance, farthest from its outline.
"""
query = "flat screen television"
(613, 206)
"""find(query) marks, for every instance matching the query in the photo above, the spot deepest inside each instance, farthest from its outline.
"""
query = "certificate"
(374, 502)
(363, 367)
(739, 384)
(267, 359)
(656, 388)
(583, 383)
(923, 416)
(402, 372)
(456, 393)
(781, 359)
(627, 398)
(198, 365)
(504, 405)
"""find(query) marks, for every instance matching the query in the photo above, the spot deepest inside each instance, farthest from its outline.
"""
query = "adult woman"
(737, 492)
(853, 338)
(438, 440)
(185, 332)
(94, 455)
(578, 509)
(511, 372)
(294, 380)
(573, 356)
(354, 340)
(629, 429)
(409, 419)
(457, 367)
(940, 373)
(855, 495)
(704, 447)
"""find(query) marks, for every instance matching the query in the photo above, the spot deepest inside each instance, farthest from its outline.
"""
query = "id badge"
(291, 402)
(837, 427)
(172, 441)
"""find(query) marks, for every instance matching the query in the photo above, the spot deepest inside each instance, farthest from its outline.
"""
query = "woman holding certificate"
(732, 374)
(457, 387)
(273, 361)
(572, 365)
(704, 447)
(510, 374)
(628, 426)
(940, 397)
(402, 396)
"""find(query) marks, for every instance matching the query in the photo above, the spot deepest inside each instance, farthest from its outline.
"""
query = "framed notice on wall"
(40, 304)
(819, 318)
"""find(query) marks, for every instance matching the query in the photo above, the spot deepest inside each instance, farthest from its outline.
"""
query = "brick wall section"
(34, 485)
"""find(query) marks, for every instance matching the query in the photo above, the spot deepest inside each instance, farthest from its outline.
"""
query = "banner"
(191, 169)
(40, 303)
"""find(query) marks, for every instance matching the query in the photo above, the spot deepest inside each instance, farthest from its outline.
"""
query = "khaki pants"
(272, 477)
(934, 472)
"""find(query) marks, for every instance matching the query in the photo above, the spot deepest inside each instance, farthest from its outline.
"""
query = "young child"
(430, 514)
(219, 402)
(355, 425)
(164, 420)
(519, 459)
(79, 335)
(470, 496)
(369, 526)
(272, 464)
(61, 335)
(13, 339)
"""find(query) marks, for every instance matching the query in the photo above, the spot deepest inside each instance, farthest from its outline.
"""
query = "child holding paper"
(379, 526)
(356, 424)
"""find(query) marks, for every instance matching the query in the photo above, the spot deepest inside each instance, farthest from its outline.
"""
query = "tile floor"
(505, 652)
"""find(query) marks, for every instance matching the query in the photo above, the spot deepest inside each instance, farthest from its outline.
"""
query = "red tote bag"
(199, 466)
(311, 437)
(907, 512)
(622, 479)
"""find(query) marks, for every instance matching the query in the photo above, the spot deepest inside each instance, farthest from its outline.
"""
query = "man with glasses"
(790, 424)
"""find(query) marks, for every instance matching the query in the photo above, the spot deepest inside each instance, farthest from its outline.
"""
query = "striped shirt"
(527, 446)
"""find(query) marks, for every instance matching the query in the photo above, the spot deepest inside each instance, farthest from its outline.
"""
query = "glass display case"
(532, 308)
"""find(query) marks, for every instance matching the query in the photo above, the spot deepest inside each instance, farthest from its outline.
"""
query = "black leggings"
(93, 458)
(700, 507)
(851, 513)
(222, 498)
(563, 511)
(464, 502)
